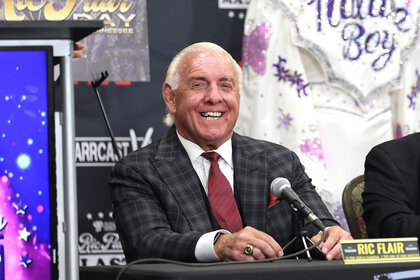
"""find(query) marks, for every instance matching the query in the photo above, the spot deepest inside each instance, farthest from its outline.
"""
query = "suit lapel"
(251, 186)
(175, 168)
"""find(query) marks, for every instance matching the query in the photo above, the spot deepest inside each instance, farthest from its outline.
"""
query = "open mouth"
(211, 116)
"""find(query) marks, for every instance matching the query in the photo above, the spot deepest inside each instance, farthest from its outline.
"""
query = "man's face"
(206, 103)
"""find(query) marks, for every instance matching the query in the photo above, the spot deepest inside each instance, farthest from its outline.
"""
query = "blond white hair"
(173, 78)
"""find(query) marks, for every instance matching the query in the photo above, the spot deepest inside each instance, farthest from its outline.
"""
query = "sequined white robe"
(330, 82)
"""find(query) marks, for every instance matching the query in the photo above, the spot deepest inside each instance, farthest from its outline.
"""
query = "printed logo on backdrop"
(121, 47)
(101, 246)
(99, 152)
(99, 243)
(233, 5)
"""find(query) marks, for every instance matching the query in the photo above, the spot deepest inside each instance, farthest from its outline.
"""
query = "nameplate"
(380, 250)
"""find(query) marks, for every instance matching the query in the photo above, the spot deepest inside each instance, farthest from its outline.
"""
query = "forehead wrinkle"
(194, 62)
(197, 78)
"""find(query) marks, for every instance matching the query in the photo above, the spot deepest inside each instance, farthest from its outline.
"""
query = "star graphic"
(287, 75)
(294, 78)
(20, 208)
(414, 91)
(25, 260)
(282, 73)
(24, 234)
(285, 119)
(412, 97)
(301, 89)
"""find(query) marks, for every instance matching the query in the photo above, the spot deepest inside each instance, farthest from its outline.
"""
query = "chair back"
(353, 209)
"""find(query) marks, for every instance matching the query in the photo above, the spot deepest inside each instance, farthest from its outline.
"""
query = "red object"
(221, 197)
(273, 200)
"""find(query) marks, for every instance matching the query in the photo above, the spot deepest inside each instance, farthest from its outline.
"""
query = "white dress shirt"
(204, 250)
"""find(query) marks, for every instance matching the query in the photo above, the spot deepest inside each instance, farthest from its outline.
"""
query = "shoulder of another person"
(409, 144)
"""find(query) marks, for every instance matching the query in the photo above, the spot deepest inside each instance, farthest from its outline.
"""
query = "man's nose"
(213, 94)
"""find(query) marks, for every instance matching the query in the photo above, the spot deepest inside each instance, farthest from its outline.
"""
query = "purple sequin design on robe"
(291, 77)
(254, 47)
(414, 91)
(285, 119)
(313, 149)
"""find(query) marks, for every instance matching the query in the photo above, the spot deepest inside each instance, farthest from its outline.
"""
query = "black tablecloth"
(286, 269)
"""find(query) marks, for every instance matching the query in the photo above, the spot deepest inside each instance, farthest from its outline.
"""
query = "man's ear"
(169, 97)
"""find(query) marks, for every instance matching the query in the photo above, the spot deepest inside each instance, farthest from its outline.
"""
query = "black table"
(285, 269)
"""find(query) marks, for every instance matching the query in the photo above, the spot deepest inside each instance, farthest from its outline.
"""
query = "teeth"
(211, 116)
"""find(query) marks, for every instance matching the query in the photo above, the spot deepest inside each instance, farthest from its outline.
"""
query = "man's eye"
(226, 86)
(197, 85)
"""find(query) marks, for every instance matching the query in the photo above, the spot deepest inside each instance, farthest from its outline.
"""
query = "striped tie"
(221, 197)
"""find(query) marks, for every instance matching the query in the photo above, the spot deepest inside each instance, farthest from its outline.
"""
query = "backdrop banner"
(121, 47)
(135, 47)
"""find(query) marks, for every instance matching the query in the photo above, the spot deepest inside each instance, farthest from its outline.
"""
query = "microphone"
(281, 188)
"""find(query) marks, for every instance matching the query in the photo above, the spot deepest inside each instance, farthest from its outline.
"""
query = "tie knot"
(211, 156)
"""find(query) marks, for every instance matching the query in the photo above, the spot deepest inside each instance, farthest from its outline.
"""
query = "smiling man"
(202, 193)
(204, 97)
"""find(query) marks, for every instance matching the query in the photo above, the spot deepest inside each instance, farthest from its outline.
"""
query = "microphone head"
(278, 185)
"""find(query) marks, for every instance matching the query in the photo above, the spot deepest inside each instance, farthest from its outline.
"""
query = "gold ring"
(249, 249)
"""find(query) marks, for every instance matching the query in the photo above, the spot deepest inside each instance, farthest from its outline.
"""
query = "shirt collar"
(194, 151)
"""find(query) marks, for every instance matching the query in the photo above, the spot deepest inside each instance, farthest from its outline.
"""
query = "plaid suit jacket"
(160, 210)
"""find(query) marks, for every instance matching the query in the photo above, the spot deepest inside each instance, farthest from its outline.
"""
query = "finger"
(333, 235)
(334, 253)
(332, 241)
(262, 250)
(264, 245)
(240, 255)
(79, 47)
(258, 254)
(316, 238)
(329, 243)
(268, 245)
(320, 245)
(265, 249)
(78, 55)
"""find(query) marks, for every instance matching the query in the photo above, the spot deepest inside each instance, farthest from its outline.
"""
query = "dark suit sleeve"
(142, 224)
(391, 193)
(302, 185)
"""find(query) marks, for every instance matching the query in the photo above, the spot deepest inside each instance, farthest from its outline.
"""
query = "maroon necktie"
(221, 197)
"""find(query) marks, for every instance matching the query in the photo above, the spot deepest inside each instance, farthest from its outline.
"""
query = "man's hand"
(331, 244)
(230, 247)
(77, 50)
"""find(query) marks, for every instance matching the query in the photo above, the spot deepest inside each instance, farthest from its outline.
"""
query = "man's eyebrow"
(228, 79)
(197, 78)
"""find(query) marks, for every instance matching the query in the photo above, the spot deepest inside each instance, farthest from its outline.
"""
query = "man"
(391, 200)
(163, 195)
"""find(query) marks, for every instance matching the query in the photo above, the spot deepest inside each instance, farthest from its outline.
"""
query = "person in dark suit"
(161, 193)
(391, 200)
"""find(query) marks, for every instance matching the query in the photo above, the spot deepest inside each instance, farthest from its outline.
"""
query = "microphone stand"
(300, 233)
(95, 84)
